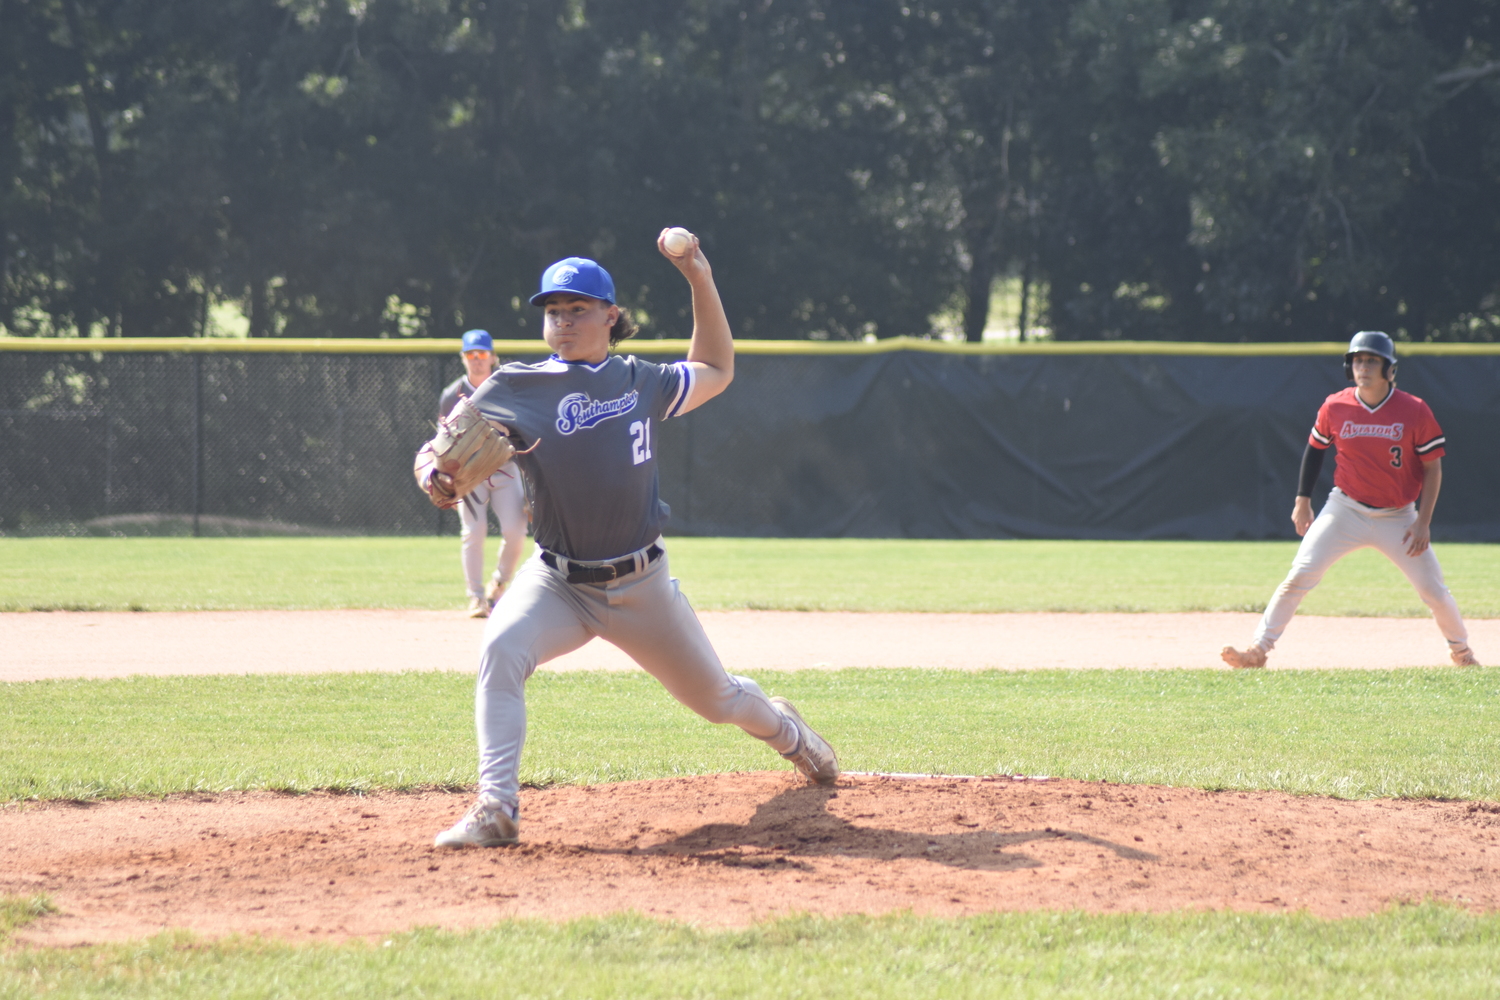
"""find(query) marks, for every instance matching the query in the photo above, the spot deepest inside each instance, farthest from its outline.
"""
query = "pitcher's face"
(577, 327)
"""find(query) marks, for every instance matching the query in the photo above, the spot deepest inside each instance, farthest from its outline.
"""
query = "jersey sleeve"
(497, 401)
(1427, 438)
(675, 384)
(1321, 435)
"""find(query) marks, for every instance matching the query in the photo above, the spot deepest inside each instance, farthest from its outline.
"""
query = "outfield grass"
(177, 574)
(1351, 734)
(1409, 953)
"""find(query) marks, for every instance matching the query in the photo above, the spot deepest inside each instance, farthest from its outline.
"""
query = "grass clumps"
(1408, 953)
(773, 574)
(1349, 734)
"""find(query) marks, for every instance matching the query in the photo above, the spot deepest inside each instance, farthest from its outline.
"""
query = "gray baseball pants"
(1342, 526)
(542, 616)
(503, 493)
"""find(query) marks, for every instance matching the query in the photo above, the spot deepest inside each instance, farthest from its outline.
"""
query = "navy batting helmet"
(1371, 342)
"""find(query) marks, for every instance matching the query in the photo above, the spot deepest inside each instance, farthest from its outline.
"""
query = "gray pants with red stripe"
(542, 616)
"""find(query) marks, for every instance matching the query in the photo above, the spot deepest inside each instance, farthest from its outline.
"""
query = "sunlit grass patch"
(1416, 733)
(1408, 953)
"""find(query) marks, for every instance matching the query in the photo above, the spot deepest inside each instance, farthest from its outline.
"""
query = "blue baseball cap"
(577, 275)
(477, 340)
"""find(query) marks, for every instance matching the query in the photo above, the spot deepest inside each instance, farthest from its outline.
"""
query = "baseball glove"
(466, 451)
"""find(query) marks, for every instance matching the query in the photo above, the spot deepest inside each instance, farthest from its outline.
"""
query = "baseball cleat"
(1252, 658)
(479, 607)
(488, 823)
(1463, 657)
(813, 756)
(494, 590)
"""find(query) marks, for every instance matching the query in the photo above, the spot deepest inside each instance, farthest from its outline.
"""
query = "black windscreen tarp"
(1129, 446)
(893, 443)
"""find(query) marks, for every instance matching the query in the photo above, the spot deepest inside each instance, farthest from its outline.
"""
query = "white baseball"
(677, 241)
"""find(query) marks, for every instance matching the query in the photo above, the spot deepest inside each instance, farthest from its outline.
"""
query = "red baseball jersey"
(1380, 448)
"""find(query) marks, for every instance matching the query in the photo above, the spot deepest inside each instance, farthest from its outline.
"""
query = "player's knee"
(1434, 598)
(1298, 583)
(502, 667)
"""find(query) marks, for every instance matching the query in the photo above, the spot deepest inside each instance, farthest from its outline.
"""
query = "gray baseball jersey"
(593, 475)
(452, 393)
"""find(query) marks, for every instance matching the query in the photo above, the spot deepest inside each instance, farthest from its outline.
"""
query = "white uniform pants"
(505, 494)
(542, 616)
(1342, 526)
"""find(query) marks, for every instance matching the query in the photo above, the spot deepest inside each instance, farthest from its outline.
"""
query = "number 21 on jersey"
(640, 441)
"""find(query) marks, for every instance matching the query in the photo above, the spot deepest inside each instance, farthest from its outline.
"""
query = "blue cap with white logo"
(578, 276)
(477, 340)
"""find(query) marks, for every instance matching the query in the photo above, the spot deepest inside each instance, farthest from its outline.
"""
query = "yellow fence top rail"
(529, 347)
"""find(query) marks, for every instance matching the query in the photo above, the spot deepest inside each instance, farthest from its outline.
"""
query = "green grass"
(1408, 953)
(18, 911)
(172, 574)
(1352, 734)
(1347, 733)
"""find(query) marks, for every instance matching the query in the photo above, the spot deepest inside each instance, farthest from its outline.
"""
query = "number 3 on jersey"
(640, 443)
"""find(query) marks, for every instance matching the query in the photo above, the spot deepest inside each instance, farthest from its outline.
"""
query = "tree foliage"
(1182, 169)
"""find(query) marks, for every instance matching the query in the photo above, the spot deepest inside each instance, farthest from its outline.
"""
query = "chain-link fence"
(1102, 443)
(229, 443)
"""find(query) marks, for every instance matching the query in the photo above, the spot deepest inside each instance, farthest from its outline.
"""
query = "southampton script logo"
(1353, 430)
(576, 411)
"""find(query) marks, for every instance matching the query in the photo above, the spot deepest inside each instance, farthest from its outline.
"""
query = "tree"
(773, 132)
(89, 242)
(1445, 275)
(1201, 169)
(968, 82)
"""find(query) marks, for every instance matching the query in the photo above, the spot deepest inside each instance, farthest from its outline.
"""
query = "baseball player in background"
(503, 492)
(590, 420)
(1386, 480)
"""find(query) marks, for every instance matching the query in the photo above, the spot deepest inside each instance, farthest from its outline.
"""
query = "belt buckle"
(591, 574)
(601, 572)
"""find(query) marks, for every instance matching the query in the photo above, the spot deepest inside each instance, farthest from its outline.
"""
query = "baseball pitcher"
(588, 421)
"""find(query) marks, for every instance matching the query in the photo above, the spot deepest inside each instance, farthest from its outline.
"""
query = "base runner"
(1386, 481)
(589, 419)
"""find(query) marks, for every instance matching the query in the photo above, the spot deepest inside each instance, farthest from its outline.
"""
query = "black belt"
(1370, 506)
(601, 573)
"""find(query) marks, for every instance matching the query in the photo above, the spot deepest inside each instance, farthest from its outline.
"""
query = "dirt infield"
(727, 850)
(722, 850)
(41, 645)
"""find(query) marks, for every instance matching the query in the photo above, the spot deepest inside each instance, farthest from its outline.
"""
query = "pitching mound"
(730, 850)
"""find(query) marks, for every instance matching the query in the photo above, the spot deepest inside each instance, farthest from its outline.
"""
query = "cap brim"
(541, 297)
